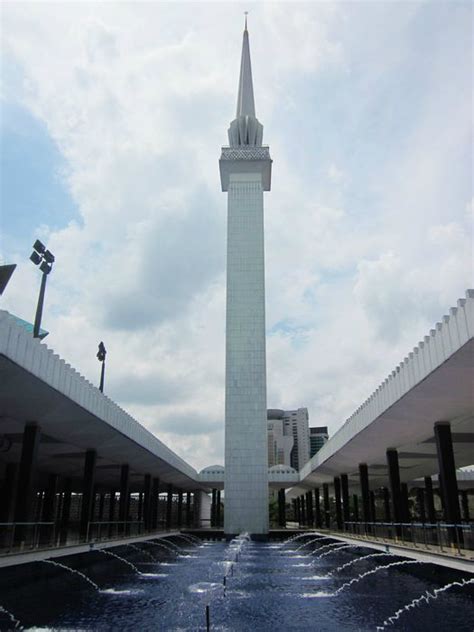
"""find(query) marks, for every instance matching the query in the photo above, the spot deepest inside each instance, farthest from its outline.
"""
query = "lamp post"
(44, 259)
(101, 357)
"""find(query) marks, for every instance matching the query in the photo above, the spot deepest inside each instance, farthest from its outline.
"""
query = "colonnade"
(29, 496)
(394, 506)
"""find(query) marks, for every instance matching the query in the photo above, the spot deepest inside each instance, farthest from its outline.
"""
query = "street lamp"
(101, 357)
(44, 259)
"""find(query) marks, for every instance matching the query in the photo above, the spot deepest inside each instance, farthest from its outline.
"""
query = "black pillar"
(430, 507)
(146, 501)
(218, 508)
(447, 471)
(327, 511)
(309, 508)
(100, 517)
(394, 477)
(355, 502)
(373, 511)
(49, 506)
(317, 509)
(303, 509)
(66, 510)
(337, 497)
(465, 505)
(197, 508)
(281, 508)
(7, 493)
(386, 505)
(26, 477)
(140, 507)
(124, 493)
(293, 504)
(420, 498)
(188, 509)
(154, 503)
(180, 509)
(213, 507)
(112, 501)
(87, 491)
(364, 488)
(298, 511)
(405, 503)
(169, 506)
(346, 511)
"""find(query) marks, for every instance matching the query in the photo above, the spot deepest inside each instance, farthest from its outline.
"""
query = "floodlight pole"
(39, 308)
(101, 357)
(102, 375)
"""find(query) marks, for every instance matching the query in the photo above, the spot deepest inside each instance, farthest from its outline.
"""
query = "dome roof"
(213, 469)
(286, 469)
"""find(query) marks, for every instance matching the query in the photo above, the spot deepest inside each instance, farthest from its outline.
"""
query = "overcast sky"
(113, 116)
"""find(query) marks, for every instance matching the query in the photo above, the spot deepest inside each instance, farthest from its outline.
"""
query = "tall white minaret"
(245, 169)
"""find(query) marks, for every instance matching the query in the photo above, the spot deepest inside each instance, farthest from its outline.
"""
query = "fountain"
(340, 548)
(163, 546)
(426, 597)
(322, 548)
(13, 620)
(71, 570)
(260, 591)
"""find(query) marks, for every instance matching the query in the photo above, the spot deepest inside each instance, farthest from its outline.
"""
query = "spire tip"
(246, 14)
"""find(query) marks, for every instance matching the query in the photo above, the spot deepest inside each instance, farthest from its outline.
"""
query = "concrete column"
(87, 491)
(420, 497)
(281, 508)
(66, 510)
(405, 503)
(447, 470)
(430, 507)
(146, 501)
(327, 512)
(386, 505)
(112, 501)
(188, 509)
(124, 493)
(394, 477)
(100, 516)
(293, 504)
(154, 503)
(169, 506)
(26, 477)
(303, 509)
(346, 510)
(7, 493)
(49, 503)
(337, 496)
(140, 507)
(309, 508)
(298, 511)
(364, 488)
(317, 509)
(465, 505)
(218, 509)
(180, 509)
(197, 508)
(355, 502)
(38, 497)
(373, 510)
(213, 507)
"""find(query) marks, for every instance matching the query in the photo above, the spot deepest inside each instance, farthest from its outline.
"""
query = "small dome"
(283, 469)
(213, 469)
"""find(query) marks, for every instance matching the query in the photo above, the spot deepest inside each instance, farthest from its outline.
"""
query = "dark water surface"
(268, 587)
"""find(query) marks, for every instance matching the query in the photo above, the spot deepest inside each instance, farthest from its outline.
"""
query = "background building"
(318, 436)
(280, 444)
(288, 437)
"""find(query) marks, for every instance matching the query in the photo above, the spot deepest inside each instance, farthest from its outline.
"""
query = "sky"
(112, 119)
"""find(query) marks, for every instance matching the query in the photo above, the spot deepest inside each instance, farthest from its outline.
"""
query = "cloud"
(367, 237)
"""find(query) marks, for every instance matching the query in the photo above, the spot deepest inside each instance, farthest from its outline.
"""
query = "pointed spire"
(245, 100)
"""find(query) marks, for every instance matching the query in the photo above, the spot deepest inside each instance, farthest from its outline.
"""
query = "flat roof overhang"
(446, 394)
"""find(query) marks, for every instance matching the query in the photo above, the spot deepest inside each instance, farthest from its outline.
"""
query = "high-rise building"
(318, 436)
(245, 169)
(296, 423)
(280, 444)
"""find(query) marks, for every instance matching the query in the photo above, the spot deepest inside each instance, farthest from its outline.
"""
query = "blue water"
(269, 587)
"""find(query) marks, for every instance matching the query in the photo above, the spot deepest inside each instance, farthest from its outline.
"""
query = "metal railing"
(111, 530)
(438, 535)
(18, 536)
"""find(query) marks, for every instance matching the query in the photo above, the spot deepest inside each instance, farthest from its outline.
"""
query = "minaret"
(245, 169)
